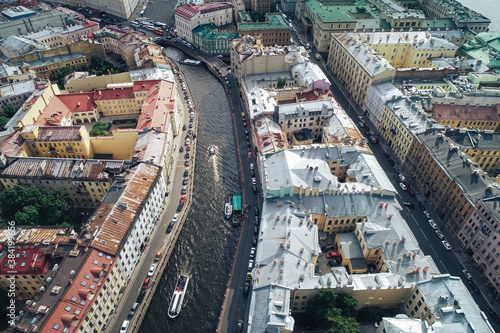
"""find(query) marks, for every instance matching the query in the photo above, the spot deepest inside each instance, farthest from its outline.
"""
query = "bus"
(158, 31)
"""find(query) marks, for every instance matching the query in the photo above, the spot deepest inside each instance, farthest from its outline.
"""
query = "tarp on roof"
(236, 202)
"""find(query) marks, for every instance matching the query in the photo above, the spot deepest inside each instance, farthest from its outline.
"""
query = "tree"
(28, 215)
(317, 308)
(8, 110)
(3, 122)
(281, 82)
(341, 324)
(347, 304)
(416, 5)
(54, 207)
(255, 16)
(17, 197)
(100, 129)
(273, 7)
(96, 62)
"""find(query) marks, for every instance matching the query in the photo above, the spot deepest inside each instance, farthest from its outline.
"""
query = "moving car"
(157, 256)
(170, 226)
(408, 204)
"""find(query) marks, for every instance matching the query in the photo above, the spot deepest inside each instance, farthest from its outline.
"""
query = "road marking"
(427, 239)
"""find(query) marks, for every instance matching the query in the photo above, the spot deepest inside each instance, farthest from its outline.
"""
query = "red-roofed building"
(29, 267)
(89, 300)
(188, 17)
(158, 107)
(69, 109)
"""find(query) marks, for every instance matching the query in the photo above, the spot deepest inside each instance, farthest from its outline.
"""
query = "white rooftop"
(17, 88)
(308, 73)
(410, 114)
(402, 324)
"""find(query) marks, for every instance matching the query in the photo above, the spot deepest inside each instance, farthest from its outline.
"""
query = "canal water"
(207, 242)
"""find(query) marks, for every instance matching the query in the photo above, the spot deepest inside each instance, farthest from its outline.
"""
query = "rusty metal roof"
(40, 234)
(114, 218)
(50, 168)
(63, 133)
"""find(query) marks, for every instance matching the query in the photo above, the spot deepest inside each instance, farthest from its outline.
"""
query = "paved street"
(159, 240)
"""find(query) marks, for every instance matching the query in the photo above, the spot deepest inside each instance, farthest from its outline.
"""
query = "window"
(56, 326)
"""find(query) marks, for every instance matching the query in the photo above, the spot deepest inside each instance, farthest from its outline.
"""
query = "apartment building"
(448, 177)
(10, 74)
(127, 214)
(120, 8)
(461, 15)
(443, 300)
(378, 95)
(249, 56)
(89, 301)
(208, 39)
(310, 116)
(274, 31)
(31, 264)
(483, 147)
(188, 17)
(361, 66)
(85, 182)
(46, 68)
(341, 192)
(468, 116)
(371, 58)
(58, 142)
(480, 238)
(55, 37)
(263, 6)
(17, 93)
(401, 120)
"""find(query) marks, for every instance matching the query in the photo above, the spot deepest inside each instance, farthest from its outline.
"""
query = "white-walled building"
(127, 215)
(188, 17)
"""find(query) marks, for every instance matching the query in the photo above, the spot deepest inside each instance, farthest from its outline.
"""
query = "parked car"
(254, 181)
(446, 245)
(152, 270)
(252, 166)
(188, 147)
(184, 190)
(249, 277)
(332, 255)
(373, 139)
(468, 276)
(186, 163)
(433, 225)
(185, 181)
(256, 220)
(133, 309)
(250, 264)
(141, 296)
(403, 186)
(426, 213)
(170, 226)
(474, 286)
(386, 155)
(412, 193)
(246, 288)
(401, 178)
(176, 216)
(254, 189)
(125, 323)
(252, 252)
(249, 155)
(145, 284)
(179, 208)
(183, 198)
(333, 262)
(391, 162)
(439, 234)
(181, 149)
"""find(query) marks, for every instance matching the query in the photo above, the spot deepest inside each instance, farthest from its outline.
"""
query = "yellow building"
(363, 59)
(401, 120)
(48, 68)
(357, 66)
(86, 182)
(58, 142)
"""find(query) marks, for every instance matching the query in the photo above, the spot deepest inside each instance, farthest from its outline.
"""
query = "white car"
(254, 181)
(403, 186)
(250, 265)
(446, 245)
(433, 225)
(426, 213)
(439, 234)
(124, 326)
(152, 270)
(252, 252)
(174, 219)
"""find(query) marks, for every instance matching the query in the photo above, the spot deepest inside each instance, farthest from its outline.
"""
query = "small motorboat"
(212, 149)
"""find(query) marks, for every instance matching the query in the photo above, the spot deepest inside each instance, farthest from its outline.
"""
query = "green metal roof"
(331, 13)
(207, 31)
(236, 202)
(274, 21)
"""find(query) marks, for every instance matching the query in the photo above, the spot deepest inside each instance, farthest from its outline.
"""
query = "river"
(489, 8)
(207, 242)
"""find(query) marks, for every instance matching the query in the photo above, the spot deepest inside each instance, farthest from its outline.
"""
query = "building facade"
(274, 31)
(188, 17)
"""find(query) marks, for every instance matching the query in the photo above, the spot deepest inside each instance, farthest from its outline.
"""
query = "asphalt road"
(158, 238)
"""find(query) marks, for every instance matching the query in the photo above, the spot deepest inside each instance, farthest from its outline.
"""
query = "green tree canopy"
(28, 206)
(335, 311)
(100, 128)
(8, 110)
(281, 82)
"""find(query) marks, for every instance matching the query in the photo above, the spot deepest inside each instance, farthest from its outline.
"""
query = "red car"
(183, 198)
(249, 155)
(332, 255)
(188, 148)
(244, 124)
(145, 285)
